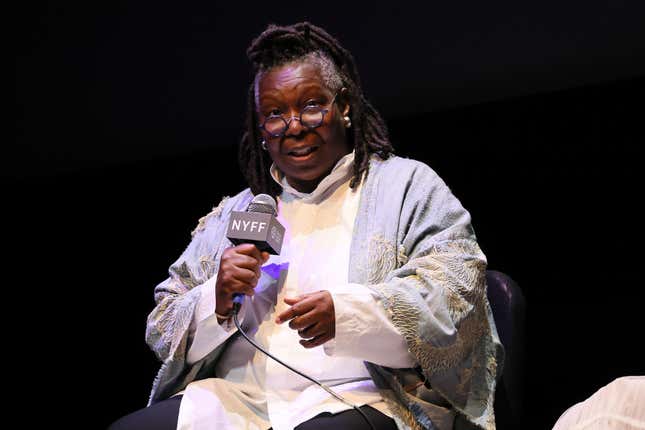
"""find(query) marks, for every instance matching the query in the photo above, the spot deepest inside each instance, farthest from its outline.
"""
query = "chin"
(308, 176)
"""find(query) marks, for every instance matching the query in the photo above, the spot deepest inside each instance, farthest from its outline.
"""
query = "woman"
(379, 290)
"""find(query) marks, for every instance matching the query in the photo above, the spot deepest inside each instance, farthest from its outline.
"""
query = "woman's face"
(304, 155)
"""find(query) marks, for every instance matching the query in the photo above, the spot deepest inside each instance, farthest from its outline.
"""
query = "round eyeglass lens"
(275, 126)
(312, 117)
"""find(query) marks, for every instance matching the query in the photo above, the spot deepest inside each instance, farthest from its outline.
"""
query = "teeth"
(303, 151)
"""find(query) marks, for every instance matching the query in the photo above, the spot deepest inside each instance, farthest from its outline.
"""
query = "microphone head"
(258, 225)
(263, 203)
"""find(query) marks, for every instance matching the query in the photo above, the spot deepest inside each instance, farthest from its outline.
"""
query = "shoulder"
(221, 210)
(413, 183)
(403, 169)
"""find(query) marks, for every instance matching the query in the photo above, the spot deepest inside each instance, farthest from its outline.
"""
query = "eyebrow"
(305, 87)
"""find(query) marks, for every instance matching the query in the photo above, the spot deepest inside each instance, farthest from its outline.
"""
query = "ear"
(343, 101)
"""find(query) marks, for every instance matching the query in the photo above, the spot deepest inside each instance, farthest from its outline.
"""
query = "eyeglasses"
(310, 117)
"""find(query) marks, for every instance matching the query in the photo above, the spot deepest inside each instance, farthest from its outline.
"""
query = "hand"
(239, 271)
(313, 316)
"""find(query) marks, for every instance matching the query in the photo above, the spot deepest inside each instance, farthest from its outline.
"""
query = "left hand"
(312, 315)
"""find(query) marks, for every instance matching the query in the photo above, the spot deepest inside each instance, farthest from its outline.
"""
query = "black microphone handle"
(238, 299)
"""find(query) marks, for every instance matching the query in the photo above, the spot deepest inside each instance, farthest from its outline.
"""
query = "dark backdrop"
(127, 119)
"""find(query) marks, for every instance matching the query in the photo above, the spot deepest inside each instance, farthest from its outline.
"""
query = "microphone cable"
(236, 309)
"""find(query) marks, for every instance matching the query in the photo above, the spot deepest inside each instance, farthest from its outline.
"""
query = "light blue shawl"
(413, 244)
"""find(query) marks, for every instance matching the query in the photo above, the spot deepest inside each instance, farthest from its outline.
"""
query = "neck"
(305, 186)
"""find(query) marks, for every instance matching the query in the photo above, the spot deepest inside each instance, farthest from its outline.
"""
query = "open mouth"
(303, 152)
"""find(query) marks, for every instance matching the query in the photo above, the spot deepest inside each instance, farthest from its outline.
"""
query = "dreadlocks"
(279, 45)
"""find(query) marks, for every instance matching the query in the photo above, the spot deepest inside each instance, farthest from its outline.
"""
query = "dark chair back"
(509, 308)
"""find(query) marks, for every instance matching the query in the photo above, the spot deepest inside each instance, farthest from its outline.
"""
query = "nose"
(294, 127)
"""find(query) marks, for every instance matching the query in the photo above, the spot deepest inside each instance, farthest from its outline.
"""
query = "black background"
(127, 120)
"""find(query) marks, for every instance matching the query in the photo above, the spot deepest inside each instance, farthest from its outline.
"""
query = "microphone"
(258, 226)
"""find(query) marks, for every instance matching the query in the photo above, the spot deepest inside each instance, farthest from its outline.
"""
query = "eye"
(312, 104)
(273, 112)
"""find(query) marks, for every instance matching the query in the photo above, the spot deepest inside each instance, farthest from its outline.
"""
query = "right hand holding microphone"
(239, 272)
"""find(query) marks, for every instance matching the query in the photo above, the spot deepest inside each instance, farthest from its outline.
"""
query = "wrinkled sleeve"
(169, 322)
(364, 329)
(172, 323)
(206, 332)
(436, 297)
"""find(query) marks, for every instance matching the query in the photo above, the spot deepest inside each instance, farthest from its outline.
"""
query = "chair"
(508, 307)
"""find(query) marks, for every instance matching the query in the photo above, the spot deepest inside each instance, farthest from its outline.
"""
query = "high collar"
(339, 174)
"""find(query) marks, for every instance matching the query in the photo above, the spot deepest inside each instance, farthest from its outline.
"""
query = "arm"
(432, 284)
(187, 302)
(207, 331)
(168, 325)
(349, 324)
(182, 302)
(239, 271)
(364, 329)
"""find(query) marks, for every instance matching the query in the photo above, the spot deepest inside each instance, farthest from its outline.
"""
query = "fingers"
(239, 272)
(252, 251)
(245, 276)
(304, 320)
(299, 308)
(241, 261)
(312, 331)
(312, 315)
(316, 341)
(234, 268)
(237, 281)
(292, 300)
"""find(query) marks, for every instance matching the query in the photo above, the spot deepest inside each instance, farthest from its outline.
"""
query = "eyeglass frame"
(298, 117)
